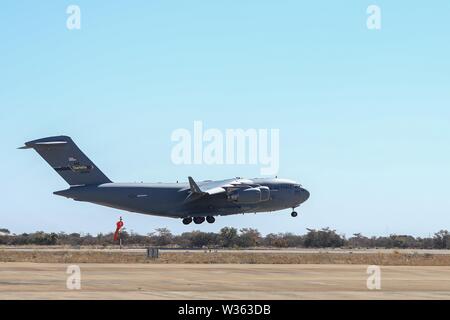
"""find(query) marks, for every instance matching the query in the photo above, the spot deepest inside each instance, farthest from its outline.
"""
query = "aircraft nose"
(305, 195)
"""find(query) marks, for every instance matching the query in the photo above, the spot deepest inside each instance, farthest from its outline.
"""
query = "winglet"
(194, 187)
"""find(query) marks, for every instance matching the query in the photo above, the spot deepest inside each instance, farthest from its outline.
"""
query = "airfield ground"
(30, 273)
(221, 281)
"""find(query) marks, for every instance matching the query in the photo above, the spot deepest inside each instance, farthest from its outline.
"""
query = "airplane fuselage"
(168, 199)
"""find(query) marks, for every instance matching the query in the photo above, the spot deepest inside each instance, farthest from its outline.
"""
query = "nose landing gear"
(293, 213)
(210, 219)
(186, 221)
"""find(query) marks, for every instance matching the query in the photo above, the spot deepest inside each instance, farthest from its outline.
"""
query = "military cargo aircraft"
(190, 201)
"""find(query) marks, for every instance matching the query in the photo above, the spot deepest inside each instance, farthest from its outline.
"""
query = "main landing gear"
(198, 220)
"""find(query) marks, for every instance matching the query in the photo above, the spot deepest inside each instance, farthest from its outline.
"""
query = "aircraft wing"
(208, 188)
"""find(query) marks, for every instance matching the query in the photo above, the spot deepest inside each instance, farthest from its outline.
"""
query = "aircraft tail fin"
(63, 155)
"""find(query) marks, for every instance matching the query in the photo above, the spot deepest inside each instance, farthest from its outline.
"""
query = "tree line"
(229, 237)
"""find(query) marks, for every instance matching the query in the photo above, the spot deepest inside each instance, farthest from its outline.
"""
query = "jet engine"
(251, 195)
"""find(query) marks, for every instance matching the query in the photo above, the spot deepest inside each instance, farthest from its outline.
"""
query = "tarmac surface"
(22, 280)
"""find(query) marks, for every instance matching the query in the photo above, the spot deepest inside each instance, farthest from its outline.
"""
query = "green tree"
(441, 240)
(324, 238)
(162, 237)
(199, 239)
(249, 237)
(228, 236)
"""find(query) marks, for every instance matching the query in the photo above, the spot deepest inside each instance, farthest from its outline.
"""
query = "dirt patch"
(388, 259)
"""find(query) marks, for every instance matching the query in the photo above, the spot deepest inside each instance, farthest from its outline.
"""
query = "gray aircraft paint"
(175, 200)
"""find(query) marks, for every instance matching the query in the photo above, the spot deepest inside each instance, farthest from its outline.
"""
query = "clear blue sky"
(364, 115)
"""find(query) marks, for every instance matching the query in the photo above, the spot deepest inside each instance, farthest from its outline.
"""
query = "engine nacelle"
(251, 195)
(265, 193)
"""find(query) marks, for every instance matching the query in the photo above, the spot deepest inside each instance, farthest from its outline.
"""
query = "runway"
(221, 281)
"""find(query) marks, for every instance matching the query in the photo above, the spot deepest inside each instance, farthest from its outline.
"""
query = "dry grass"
(398, 259)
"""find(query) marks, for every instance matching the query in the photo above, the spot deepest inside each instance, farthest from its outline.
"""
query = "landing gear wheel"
(210, 219)
(199, 220)
(293, 214)
(187, 220)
